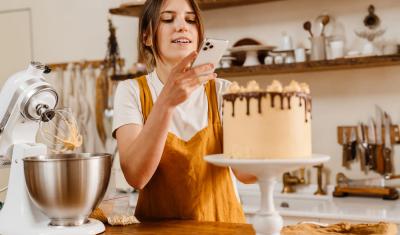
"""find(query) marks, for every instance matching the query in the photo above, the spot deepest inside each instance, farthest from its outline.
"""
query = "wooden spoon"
(307, 27)
(325, 21)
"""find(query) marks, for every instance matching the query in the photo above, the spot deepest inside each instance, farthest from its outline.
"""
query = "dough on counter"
(380, 228)
(112, 218)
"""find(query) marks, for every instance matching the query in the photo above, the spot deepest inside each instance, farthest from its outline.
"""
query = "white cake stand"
(267, 220)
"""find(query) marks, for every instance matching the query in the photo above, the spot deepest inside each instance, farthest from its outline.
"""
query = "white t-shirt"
(188, 118)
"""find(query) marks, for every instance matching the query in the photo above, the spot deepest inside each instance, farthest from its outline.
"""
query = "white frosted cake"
(270, 123)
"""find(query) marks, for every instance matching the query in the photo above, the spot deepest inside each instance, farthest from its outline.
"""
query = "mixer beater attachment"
(60, 132)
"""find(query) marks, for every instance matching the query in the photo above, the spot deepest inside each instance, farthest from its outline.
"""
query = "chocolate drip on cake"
(259, 95)
(231, 98)
(259, 102)
(307, 103)
(273, 99)
(282, 96)
(288, 99)
(248, 105)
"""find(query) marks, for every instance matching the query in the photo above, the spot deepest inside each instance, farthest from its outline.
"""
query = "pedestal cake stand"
(267, 220)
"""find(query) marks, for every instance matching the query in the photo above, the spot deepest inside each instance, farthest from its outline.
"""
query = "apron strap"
(145, 97)
(213, 112)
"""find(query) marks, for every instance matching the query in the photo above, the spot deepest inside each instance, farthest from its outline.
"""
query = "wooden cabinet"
(134, 10)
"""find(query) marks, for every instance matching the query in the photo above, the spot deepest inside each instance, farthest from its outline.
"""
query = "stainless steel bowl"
(67, 187)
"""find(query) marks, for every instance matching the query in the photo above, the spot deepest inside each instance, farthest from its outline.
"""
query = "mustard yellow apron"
(184, 186)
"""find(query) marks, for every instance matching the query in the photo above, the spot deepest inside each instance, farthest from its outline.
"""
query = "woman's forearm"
(140, 158)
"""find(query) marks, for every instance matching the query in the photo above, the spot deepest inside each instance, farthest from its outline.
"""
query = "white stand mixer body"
(20, 98)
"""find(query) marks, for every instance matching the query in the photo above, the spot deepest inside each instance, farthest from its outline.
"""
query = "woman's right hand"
(183, 80)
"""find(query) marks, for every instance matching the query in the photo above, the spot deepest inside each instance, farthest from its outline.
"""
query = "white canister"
(300, 55)
(278, 59)
(268, 60)
(318, 50)
(337, 49)
(289, 59)
(287, 42)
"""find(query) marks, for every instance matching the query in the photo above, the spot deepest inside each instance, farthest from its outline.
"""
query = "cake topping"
(252, 86)
(252, 91)
(292, 87)
(276, 86)
(233, 88)
(305, 88)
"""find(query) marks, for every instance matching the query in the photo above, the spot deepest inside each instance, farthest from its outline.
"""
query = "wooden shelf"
(134, 10)
(121, 77)
(312, 66)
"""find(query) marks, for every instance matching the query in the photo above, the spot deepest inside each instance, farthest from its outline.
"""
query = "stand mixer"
(25, 100)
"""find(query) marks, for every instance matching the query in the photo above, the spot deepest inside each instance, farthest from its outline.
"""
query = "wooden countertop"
(181, 227)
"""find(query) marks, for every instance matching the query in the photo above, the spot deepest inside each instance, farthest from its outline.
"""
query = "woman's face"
(177, 34)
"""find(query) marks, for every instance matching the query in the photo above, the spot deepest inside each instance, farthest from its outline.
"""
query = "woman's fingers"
(198, 80)
(201, 70)
(185, 62)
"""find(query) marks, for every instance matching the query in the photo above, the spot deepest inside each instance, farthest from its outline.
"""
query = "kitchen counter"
(296, 207)
(181, 227)
(325, 208)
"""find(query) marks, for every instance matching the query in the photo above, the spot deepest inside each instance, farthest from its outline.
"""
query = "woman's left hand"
(245, 178)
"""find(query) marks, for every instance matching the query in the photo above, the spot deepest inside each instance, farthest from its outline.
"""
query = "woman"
(161, 151)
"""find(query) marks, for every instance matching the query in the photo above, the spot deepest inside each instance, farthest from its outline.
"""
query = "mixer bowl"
(67, 187)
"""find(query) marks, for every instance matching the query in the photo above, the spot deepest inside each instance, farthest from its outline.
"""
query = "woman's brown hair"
(149, 20)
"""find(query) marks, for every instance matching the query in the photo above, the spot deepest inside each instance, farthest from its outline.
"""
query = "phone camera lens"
(211, 46)
(205, 48)
(207, 43)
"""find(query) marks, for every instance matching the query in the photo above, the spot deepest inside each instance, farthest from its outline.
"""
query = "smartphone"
(211, 52)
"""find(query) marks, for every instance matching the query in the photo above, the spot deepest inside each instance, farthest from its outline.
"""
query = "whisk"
(61, 133)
